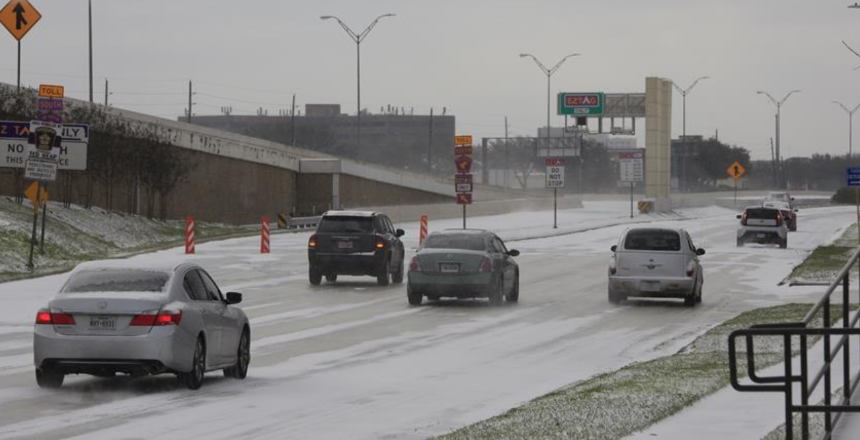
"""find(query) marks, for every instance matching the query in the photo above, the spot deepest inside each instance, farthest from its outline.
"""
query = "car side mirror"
(514, 253)
(234, 298)
(795, 210)
(700, 251)
(738, 216)
(400, 232)
(792, 199)
(614, 248)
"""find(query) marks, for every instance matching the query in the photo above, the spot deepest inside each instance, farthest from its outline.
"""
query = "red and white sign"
(463, 183)
(582, 100)
(555, 162)
(264, 239)
(189, 234)
(422, 234)
(464, 198)
(554, 172)
(464, 164)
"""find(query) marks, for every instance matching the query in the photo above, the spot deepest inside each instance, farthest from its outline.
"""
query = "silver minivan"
(658, 263)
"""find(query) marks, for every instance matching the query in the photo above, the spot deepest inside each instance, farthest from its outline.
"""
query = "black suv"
(356, 243)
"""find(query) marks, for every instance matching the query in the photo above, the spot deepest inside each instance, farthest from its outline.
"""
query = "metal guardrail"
(808, 382)
(303, 222)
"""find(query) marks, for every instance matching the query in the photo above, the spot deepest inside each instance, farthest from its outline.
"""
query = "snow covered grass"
(617, 404)
(822, 265)
(75, 235)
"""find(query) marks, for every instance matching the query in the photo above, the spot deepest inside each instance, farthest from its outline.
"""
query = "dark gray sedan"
(464, 263)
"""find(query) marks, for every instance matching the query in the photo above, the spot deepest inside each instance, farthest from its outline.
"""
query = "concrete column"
(335, 191)
(658, 147)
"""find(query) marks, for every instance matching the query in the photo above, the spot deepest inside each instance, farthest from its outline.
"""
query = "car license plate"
(449, 268)
(759, 235)
(102, 323)
(344, 245)
(649, 286)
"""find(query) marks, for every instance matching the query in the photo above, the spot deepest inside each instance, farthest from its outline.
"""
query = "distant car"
(789, 214)
(656, 262)
(463, 263)
(763, 226)
(780, 197)
(356, 243)
(117, 317)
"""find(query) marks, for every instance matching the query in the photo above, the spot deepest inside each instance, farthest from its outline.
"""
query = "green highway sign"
(581, 104)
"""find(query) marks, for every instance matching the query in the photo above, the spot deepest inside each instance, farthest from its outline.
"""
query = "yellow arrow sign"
(33, 196)
(19, 16)
(736, 170)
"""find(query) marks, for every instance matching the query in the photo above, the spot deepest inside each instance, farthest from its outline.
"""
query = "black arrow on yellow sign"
(19, 16)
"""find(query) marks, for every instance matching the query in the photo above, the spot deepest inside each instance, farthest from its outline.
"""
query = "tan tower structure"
(658, 146)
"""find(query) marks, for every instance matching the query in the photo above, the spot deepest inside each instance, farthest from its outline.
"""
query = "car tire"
(331, 278)
(699, 293)
(397, 276)
(497, 293)
(193, 379)
(415, 298)
(784, 243)
(49, 378)
(384, 274)
(314, 276)
(613, 297)
(243, 357)
(690, 300)
(740, 243)
(514, 296)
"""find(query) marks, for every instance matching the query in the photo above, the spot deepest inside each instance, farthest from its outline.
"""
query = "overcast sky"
(463, 55)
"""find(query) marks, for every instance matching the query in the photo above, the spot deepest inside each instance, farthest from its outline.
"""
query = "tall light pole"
(684, 93)
(358, 38)
(779, 177)
(850, 124)
(548, 73)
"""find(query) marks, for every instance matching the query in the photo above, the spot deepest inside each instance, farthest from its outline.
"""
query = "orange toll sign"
(19, 16)
(51, 91)
(463, 140)
(736, 170)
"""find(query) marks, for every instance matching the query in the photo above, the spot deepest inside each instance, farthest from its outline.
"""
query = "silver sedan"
(116, 317)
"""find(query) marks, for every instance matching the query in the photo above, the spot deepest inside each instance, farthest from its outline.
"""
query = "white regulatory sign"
(73, 148)
(555, 177)
(37, 169)
(631, 167)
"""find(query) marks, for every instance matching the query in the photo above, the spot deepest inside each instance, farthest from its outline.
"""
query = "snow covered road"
(352, 360)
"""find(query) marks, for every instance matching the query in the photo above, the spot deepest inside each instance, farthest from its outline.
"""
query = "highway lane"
(353, 360)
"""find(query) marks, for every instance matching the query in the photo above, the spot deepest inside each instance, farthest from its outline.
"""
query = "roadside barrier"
(423, 232)
(264, 240)
(189, 234)
(282, 220)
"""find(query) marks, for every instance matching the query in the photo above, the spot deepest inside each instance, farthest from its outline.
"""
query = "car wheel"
(740, 242)
(415, 298)
(49, 378)
(193, 379)
(613, 297)
(699, 293)
(784, 243)
(690, 300)
(315, 276)
(397, 276)
(243, 357)
(384, 274)
(331, 278)
(497, 293)
(514, 296)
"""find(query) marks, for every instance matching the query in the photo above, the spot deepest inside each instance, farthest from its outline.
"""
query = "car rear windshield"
(346, 224)
(762, 214)
(117, 280)
(652, 240)
(470, 242)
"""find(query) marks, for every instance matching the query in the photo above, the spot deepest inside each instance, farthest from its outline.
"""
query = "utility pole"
(507, 154)
(90, 14)
(106, 92)
(189, 101)
(684, 92)
(293, 122)
(780, 183)
(850, 125)
(773, 162)
(430, 143)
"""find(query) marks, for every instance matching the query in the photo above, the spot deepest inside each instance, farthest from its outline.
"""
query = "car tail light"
(48, 317)
(744, 219)
(157, 319)
(486, 266)
(312, 242)
(778, 219)
(414, 266)
(380, 243)
(691, 269)
(612, 267)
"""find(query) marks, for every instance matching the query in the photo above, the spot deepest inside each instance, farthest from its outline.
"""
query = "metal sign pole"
(464, 216)
(555, 208)
(736, 192)
(857, 198)
(44, 219)
(30, 265)
(19, 66)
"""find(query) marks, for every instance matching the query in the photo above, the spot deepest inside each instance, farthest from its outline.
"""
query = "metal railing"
(825, 329)
(303, 222)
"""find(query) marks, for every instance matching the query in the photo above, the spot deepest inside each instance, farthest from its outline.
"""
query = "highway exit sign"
(581, 104)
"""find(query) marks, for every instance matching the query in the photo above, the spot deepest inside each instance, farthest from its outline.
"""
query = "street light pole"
(779, 177)
(684, 93)
(357, 38)
(850, 125)
(548, 73)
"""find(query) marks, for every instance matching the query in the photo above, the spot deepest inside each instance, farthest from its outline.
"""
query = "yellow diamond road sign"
(736, 170)
(19, 16)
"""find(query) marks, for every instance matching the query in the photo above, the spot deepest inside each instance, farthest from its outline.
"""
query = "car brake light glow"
(157, 319)
(312, 242)
(380, 243)
(43, 317)
(612, 267)
(414, 266)
(691, 269)
(744, 219)
(485, 266)
(47, 317)
(778, 219)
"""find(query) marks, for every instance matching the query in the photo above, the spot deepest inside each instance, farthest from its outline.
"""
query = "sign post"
(736, 170)
(463, 184)
(631, 168)
(854, 180)
(555, 180)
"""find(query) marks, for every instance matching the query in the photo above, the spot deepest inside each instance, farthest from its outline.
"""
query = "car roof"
(168, 265)
(656, 228)
(464, 231)
(350, 213)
